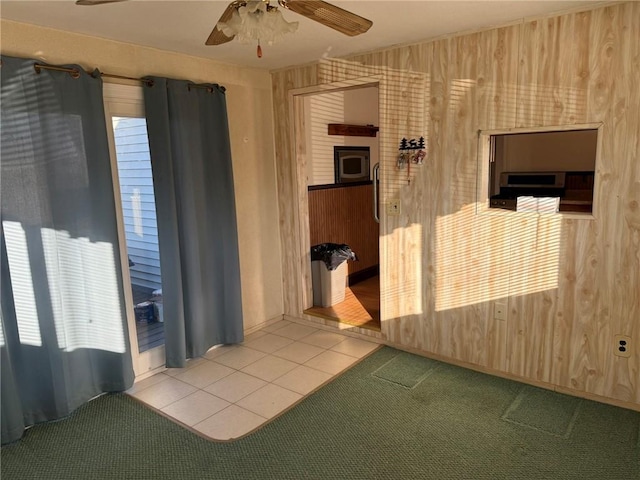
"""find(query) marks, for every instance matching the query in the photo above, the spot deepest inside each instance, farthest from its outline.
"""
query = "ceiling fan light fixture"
(257, 21)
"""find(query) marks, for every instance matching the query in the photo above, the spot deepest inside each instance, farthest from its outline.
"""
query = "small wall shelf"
(352, 130)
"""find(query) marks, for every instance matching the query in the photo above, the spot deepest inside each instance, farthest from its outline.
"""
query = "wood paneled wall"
(345, 215)
(571, 283)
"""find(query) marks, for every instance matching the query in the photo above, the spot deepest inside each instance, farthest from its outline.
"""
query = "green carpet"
(453, 424)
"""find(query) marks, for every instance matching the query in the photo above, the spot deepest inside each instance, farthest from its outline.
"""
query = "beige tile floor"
(233, 390)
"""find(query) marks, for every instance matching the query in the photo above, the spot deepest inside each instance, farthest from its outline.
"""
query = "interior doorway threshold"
(327, 314)
(360, 308)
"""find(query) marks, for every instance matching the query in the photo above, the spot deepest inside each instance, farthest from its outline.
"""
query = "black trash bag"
(332, 254)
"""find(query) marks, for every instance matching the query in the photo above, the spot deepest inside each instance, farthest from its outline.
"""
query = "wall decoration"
(411, 152)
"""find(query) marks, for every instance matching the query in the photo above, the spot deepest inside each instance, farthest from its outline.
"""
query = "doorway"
(137, 226)
(343, 210)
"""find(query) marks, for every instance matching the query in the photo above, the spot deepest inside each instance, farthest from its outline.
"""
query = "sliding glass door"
(131, 166)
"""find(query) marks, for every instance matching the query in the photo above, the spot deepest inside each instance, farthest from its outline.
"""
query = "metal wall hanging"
(411, 152)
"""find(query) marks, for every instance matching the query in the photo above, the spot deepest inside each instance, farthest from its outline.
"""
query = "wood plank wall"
(570, 283)
(345, 215)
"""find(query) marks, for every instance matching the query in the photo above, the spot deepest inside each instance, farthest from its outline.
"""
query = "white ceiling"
(183, 26)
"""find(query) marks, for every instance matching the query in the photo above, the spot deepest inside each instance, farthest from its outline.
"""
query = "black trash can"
(329, 272)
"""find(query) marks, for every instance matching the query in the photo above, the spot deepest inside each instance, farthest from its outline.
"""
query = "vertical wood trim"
(301, 202)
(287, 182)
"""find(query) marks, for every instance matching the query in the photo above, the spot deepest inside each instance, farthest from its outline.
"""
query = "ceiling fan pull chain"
(259, 50)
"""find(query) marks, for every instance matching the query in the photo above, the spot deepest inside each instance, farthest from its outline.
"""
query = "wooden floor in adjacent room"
(361, 306)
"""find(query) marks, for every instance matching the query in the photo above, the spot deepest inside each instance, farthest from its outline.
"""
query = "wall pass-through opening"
(542, 171)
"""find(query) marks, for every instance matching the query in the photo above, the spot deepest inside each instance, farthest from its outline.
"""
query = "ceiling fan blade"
(217, 37)
(96, 2)
(329, 15)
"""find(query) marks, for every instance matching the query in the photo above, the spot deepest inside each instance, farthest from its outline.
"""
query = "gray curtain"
(197, 232)
(64, 336)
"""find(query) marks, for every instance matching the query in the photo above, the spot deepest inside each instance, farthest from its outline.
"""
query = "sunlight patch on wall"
(480, 258)
(404, 289)
(85, 296)
(24, 298)
(535, 254)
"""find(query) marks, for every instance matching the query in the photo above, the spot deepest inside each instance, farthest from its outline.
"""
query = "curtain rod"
(76, 74)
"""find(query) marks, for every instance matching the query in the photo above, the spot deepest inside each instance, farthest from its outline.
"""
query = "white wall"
(250, 111)
(357, 107)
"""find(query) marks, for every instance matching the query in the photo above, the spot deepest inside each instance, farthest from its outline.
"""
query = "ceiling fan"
(322, 12)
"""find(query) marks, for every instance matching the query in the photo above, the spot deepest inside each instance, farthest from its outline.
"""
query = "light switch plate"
(393, 207)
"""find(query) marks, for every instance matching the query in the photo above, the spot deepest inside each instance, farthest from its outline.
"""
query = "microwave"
(351, 164)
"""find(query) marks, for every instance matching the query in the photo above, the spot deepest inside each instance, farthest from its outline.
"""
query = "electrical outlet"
(393, 207)
(622, 346)
(500, 311)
